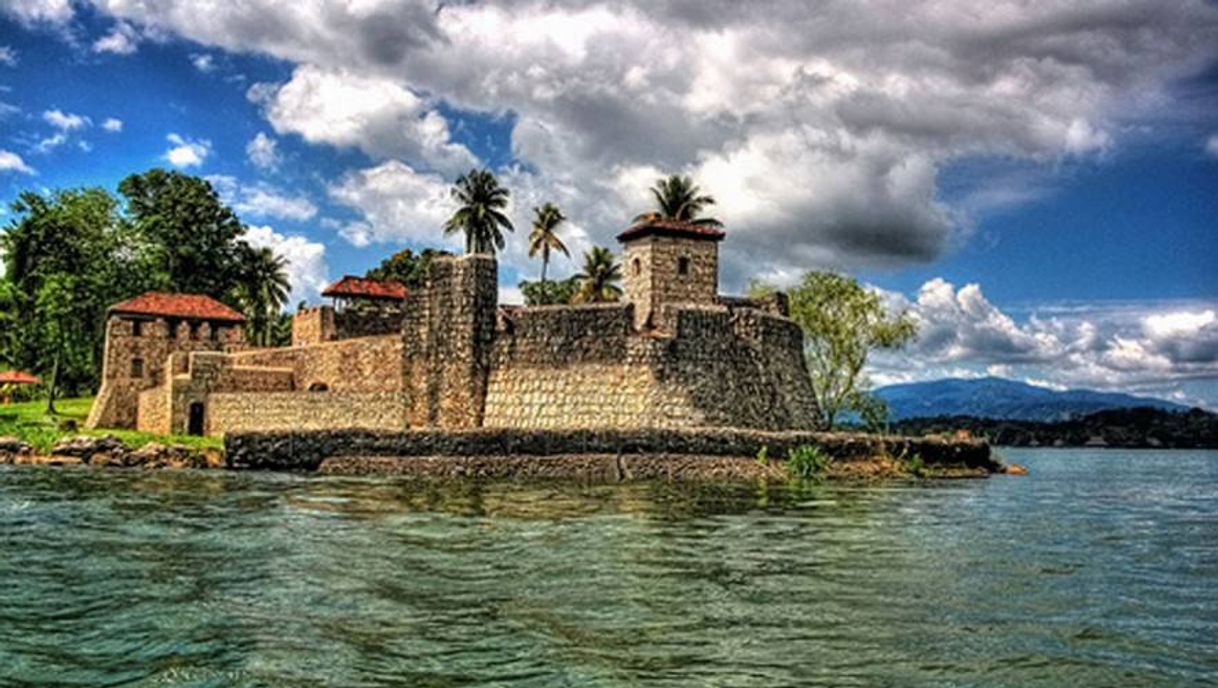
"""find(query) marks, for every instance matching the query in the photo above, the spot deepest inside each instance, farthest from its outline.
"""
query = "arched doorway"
(194, 423)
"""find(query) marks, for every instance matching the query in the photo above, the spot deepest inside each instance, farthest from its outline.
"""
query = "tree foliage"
(262, 290)
(544, 237)
(481, 203)
(550, 292)
(406, 267)
(678, 198)
(843, 322)
(598, 281)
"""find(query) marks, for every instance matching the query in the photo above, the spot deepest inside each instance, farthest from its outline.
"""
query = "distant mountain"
(995, 397)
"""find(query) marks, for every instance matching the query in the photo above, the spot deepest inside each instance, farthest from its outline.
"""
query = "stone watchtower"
(669, 262)
(141, 333)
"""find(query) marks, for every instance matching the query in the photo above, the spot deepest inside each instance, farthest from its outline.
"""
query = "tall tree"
(480, 213)
(544, 236)
(406, 267)
(678, 198)
(64, 265)
(262, 291)
(843, 322)
(188, 237)
(598, 281)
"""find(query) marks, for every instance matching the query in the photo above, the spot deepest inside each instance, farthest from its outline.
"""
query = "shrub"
(807, 462)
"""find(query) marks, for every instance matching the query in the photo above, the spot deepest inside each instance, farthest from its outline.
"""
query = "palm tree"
(678, 198)
(544, 237)
(599, 278)
(479, 214)
(262, 290)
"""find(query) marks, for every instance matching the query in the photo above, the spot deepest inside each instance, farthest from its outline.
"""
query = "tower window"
(636, 266)
(683, 266)
(137, 328)
(137, 367)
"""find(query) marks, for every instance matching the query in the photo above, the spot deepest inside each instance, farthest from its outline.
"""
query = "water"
(1100, 569)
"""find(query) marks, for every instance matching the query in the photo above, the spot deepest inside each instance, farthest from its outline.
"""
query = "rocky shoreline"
(853, 458)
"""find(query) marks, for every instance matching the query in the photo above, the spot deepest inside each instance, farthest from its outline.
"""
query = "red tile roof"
(16, 377)
(672, 228)
(362, 288)
(189, 306)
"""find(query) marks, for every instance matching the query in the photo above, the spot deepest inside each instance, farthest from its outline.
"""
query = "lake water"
(1099, 569)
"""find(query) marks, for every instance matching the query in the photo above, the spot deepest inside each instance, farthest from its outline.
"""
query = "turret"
(669, 262)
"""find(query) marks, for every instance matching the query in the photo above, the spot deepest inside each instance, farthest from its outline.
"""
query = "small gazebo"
(13, 378)
(360, 290)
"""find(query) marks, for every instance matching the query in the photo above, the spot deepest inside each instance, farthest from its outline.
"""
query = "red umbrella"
(16, 377)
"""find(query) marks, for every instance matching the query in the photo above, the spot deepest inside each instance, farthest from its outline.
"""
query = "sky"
(1035, 182)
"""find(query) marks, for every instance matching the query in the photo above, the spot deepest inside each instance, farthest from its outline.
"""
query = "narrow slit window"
(683, 266)
(137, 367)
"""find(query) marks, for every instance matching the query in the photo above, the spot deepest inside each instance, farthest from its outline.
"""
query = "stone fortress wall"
(669, 357)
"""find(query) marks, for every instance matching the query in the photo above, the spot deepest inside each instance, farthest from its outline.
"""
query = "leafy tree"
(185, 235)
(842, 323)
(678, 198)
(544, 236)
(481, 202)
(550, 293)
(406, 267)
(598, 281)
(64, 265)
(262, 291)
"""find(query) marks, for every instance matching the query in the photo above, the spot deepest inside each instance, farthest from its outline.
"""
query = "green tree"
(262, 291)
(598, 281)
(186, 237)
(63, 253)
(678, 198)
(544, 237)
(480, 213)
(406, 267)
(550, 292)
(843, 322)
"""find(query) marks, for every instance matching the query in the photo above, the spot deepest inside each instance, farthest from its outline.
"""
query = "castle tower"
(141, 333)
(669, 262)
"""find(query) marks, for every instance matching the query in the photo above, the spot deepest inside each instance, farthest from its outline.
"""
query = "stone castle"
(673, 354)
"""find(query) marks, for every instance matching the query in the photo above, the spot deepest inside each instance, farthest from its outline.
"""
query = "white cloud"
(186, 152)
(11, 162)
(64, 123)
(202, 62)
(1211, 145)
(112, 125)
(377, 115)
(263, 151)
(307, 268)
(123, 39)
(1153, 347)
(31, 11)
(397, 203)
(8, 56)
(262, 200)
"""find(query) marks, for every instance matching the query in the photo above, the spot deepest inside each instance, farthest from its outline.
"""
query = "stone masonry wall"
(296, 411)
(313, 325)
(127, 354)
(653, 278)
(367, 364)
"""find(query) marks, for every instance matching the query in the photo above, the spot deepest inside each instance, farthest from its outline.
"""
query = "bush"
(807, 462)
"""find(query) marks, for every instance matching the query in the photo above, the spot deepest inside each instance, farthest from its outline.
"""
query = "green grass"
(29, 422)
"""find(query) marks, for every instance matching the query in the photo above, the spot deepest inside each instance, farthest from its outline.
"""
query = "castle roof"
(350, 287)
(189, 306)
(16, 377)
(687, 230)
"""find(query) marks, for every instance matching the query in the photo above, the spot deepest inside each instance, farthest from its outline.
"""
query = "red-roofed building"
(672, 228)
(184, 306)
(351, 287)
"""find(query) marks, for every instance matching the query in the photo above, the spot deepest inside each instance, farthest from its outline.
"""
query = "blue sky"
(1036, 184)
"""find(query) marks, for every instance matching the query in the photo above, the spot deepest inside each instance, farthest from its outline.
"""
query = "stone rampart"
(367, 364)
(295, 411)
(306, 450)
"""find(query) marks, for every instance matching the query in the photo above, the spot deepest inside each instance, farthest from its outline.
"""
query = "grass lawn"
(29, 422)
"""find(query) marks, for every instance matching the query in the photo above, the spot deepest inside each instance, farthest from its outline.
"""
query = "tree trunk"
(54, 387)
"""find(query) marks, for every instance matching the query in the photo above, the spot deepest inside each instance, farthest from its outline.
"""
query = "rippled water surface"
(1101, 568)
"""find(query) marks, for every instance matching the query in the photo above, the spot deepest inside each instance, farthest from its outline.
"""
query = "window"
(137, 367)
(682, 266)
(319, 387)
(637, 267)
(137, 328)
(194, 330)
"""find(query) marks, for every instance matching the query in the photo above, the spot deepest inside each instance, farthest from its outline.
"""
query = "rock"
(157, 455)
(11, 448)
(48, 460)
(1014, 469)
(85, 448)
